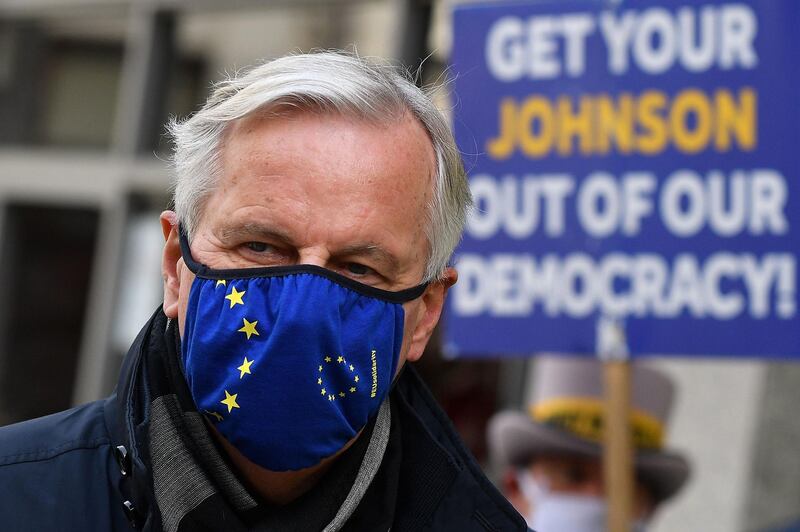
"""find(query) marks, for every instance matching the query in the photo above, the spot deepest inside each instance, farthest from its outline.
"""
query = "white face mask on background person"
(564, 512)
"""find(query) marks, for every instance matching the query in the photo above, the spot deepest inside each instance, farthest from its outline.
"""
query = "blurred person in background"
(318, 199)
(550, 457)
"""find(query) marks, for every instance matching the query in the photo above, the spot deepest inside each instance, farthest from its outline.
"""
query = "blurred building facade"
(85, 88)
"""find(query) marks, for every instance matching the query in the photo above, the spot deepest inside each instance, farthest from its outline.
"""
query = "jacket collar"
(127, 414)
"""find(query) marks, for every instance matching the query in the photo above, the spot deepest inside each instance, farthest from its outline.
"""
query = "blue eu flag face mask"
(289, 362)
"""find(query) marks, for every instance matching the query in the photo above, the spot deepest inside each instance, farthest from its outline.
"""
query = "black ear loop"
(204, 272)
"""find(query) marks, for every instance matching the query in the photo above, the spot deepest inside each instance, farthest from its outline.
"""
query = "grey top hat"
(566, 417)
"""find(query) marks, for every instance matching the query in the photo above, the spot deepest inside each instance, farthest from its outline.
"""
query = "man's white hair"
(333, 82)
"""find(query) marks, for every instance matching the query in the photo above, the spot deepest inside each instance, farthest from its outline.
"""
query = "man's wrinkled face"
(310, 188)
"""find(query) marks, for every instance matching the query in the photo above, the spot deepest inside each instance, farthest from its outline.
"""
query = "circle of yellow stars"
(235, 297)
(331, 395)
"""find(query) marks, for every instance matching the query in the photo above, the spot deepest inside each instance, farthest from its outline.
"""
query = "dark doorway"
(45, 267)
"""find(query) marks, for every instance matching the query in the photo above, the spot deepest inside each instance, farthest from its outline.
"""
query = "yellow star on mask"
(319, 381)
(249, 328)
(351, 367)
(340, 360)
(352, 390)
(230, 401)
(341, 394)
(356, 378)
(245, 367)
(222, 282)
(235, 297)
(327, 359)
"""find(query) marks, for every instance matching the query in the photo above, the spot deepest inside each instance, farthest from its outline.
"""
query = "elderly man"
(551, 455)
(317, 201)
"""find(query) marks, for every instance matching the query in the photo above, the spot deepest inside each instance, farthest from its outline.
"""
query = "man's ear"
(169, 263)
(429, 312)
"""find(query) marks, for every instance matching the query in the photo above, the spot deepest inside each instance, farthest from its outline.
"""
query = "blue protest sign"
(631, 159)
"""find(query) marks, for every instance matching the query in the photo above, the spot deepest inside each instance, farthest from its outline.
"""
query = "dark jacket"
(82, 469)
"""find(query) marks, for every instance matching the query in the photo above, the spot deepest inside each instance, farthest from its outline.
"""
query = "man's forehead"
(411, 143)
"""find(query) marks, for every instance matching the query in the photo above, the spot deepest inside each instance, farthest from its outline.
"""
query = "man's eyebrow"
(253, 230)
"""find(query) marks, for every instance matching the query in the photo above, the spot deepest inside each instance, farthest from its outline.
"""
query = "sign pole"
(617, 444)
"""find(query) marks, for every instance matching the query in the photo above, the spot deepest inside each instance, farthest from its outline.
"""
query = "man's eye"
(357, 269)
(258, 247)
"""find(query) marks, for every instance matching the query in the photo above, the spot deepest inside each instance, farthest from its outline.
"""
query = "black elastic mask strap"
(194, 266)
